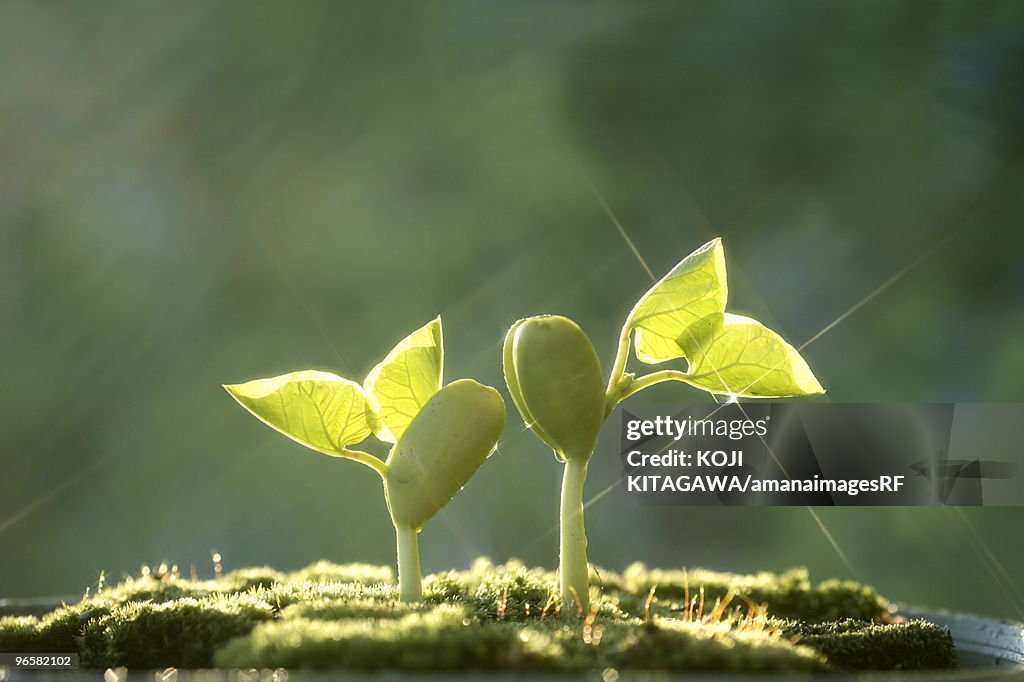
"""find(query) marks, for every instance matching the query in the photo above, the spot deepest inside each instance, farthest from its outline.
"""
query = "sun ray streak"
(817, 519)
(311, 312)
(857, 306)
(832, 541)
(881, 288)
(611, 215)
(45, 498)
(991, 561)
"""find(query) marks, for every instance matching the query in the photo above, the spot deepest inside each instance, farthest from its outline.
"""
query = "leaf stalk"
(621, 355)
(366, 458)
(648, 380)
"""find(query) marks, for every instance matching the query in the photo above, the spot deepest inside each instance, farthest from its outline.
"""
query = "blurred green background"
(196, 193)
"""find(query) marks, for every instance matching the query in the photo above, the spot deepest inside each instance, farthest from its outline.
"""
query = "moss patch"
(325, 571)
(857, 645)
(439, 638)
(507, 616)
(787, 595)
(20, 634)
(183, 633)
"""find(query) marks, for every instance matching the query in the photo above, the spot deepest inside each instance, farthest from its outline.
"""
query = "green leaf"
(402, 383)
(694, 289)
(735, 355)
(320, 410)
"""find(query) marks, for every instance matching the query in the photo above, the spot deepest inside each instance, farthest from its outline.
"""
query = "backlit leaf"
(320, 410)
(694, 289)
(402, 383)
(735, 355)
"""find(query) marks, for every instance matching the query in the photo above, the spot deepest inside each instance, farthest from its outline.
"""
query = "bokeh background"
(196, 193)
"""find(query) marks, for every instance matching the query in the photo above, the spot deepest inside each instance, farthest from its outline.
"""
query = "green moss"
(442, 588)
(444, 638)
(859, 645)
(448, 638)
(327, 572)
(149, 588)
(282, 595)
(332, 616)
(248, 578)
(183, 633)
(677, 646)
(836, 599)
(786, 595)
(56, 632)
(18, 634)
(61, 630)
(513, 592)
(356, 608)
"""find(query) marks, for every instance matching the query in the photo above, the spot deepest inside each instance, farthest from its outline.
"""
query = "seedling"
(555, 379)
(440, 436)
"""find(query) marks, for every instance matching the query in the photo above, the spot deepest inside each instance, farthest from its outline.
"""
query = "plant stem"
(573, 571)
(640, 383)
(621, 356)
(409, 583)
(363, 458)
